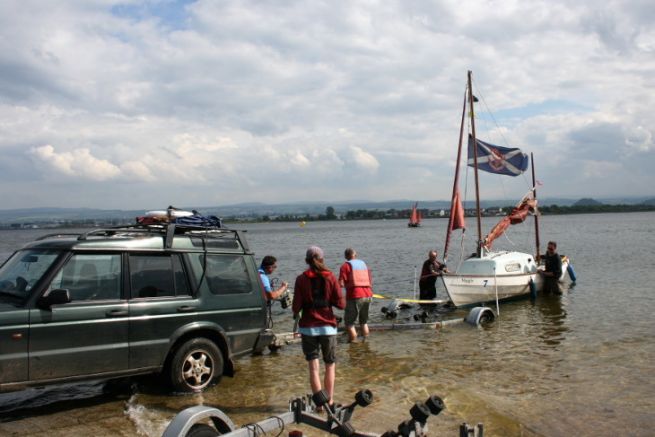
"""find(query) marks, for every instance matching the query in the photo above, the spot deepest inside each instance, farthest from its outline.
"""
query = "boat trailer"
(476, 316)
(193, 421)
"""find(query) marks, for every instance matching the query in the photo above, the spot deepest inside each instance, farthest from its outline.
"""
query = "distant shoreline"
(361, 214)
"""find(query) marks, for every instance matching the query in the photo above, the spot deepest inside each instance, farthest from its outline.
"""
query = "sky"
(145, 104)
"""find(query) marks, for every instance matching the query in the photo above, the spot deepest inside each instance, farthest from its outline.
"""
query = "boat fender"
(533, 289)
(571, 272)
(480, 315)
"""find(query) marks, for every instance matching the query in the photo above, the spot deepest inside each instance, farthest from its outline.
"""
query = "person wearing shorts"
(315, 293)
(355, 277)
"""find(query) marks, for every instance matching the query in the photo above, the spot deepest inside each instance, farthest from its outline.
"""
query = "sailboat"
(414, 217)
(488, 275)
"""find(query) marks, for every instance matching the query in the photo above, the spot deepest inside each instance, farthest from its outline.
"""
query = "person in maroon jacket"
(315, 293)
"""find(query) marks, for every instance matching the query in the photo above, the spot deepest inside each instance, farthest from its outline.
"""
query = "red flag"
(457, 214)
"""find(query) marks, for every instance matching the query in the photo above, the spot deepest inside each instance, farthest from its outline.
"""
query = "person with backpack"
(315, 293)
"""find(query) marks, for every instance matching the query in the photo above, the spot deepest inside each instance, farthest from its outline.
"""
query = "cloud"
(363, 159)
(136, 171)
(279, 101)
(78, 164)
(600, 169)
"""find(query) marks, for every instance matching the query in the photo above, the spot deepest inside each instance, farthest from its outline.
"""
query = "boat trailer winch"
(194, 421)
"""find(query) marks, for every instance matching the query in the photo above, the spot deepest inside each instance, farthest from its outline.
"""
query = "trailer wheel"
(202, 430)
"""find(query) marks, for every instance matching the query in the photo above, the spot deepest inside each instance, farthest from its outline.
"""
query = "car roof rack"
(168, 230)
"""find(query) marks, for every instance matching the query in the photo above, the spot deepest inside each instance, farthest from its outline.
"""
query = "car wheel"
(195, 364)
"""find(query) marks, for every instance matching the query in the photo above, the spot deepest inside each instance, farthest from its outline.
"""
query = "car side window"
(225, 274)
(90, 277)
(157, 275)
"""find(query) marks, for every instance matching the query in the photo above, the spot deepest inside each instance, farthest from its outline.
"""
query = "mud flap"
(266, 338)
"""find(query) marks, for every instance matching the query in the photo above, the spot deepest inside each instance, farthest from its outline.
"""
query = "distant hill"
(253, 209)
(587, 202)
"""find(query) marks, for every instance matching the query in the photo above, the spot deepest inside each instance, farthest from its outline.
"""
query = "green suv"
(131, 300)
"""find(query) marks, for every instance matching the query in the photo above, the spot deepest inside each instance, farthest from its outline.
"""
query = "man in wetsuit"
(553, 269)
(428, 283)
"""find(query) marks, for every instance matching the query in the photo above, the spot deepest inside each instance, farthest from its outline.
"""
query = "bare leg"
(365, 330)
(330, 375)
(352, 333)
(314, 376)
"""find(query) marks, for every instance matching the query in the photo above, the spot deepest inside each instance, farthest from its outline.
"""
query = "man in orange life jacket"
(355, 277)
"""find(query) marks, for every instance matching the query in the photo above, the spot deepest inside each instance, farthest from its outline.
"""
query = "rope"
(402, 299)
(255, 428)
(280, 425)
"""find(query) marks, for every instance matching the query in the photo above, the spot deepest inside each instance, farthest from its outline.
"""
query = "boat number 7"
(485, 282)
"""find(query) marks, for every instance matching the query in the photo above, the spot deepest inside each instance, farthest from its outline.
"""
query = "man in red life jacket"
(355, 277)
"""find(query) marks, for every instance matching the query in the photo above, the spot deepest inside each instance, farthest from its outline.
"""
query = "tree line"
(378, 214)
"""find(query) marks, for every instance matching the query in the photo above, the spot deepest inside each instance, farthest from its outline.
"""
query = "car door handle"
(116, 313)
(185, 309)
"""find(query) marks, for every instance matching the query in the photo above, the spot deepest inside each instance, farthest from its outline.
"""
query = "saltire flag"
(496, 159)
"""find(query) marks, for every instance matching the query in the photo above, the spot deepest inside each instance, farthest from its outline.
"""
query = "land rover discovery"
(125, 301)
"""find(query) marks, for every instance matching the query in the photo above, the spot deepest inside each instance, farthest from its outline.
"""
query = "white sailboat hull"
(497, 275)
(465, 290)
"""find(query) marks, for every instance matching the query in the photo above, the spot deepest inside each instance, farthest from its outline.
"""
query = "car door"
(89, 334)
(232, 297)
(18, 277)
(160, 304)
(13, 343)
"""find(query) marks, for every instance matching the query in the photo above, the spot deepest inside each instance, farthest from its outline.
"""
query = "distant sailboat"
(414, 217)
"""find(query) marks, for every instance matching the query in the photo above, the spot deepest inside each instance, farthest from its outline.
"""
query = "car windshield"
(25, 267)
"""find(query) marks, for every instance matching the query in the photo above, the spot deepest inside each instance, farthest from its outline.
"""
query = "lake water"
(579, 364)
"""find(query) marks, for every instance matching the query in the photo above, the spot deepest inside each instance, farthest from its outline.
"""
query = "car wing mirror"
(57, 296)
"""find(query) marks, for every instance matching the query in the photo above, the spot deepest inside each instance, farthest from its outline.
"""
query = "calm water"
(579, 364)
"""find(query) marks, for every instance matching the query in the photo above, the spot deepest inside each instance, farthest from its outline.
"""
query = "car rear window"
(224, 274)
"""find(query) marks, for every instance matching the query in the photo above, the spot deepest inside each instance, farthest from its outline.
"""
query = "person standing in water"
(428, 282)
(316, 291)
(553, 269)
(355, 277)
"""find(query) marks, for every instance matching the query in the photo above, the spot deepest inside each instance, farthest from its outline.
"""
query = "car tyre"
(196, 363)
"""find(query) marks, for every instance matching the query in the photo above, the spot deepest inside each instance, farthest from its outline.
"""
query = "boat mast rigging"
(456, 181)
(475, 165)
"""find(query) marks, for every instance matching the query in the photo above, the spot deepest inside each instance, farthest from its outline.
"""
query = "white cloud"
(137, 171)
(251, 96)
(363, 159)
(79, 163)
(298, 160)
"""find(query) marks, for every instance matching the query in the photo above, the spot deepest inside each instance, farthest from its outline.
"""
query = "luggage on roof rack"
(175, 215)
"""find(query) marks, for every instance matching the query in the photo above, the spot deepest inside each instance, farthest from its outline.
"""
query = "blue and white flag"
(496, 159)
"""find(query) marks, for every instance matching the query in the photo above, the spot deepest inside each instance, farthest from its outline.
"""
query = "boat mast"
(456, 182)
(475, 165)
(536, 216)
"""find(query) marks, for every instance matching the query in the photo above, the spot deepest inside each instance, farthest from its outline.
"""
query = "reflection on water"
(560, 365)
(553, 322)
